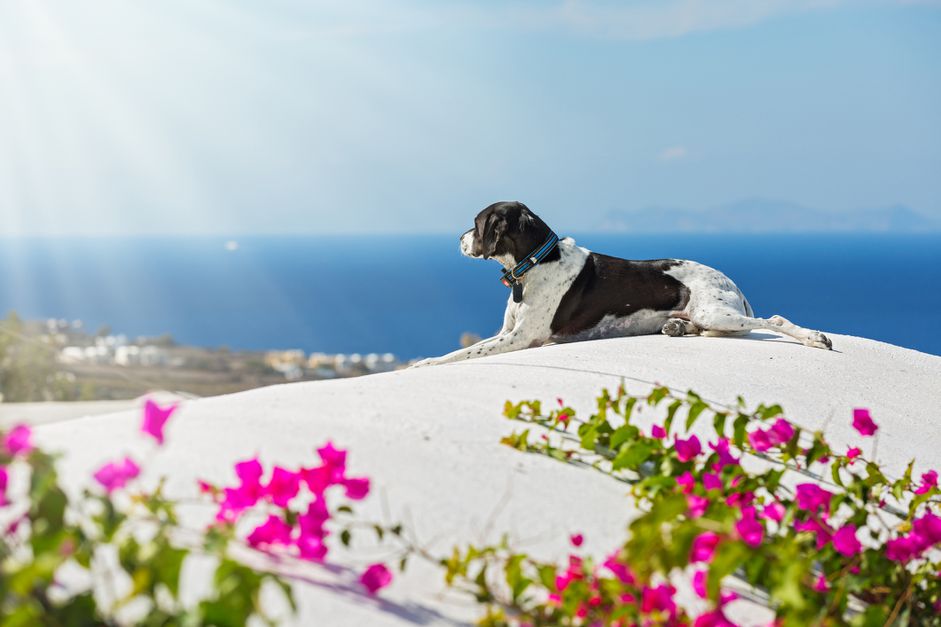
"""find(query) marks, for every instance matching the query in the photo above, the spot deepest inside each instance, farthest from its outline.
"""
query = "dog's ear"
(526, 219)
(494, 230)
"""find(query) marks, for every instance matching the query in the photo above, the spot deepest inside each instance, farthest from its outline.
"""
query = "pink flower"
(721, 448)
(812, 498)
(740, 499)
(821, 584)
(687, 481)
(853, 453)
(688, 449)
(773, 511)
(781, 432)
(205, 487)
(618, 569)
(311, 547)
(659, 599)
(357, 488)
(563, 580)
(4, 480)
(17, 441)
(376, 577)
(704, 547)
(845, 541)
(863, 423)
(564, 419)
(711, 481)
(318, 479)
(902, 549)
(272, 531)
(334, 459)
(236, 500)
(715, 618)
(759, 440)
(249, 472)
(246, 494)
(697, 505)
(313, 520)
(658, 432)
(820, 531)
(115, 475)
(928, 529)
(283, 486)
(699, 583)
(576, 539)
(560, 402)
(749, 529)
(929, 480)
(155, 417)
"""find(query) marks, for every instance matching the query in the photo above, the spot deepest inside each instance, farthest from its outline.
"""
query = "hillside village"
(76, 364)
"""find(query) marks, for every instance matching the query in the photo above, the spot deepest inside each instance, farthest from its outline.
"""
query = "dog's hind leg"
(730, 322)
(677, 327)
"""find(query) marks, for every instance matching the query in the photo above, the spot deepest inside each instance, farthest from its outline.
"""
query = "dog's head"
(506, 231)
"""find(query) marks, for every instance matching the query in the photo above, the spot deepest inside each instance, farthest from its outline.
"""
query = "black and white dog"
(565, 293)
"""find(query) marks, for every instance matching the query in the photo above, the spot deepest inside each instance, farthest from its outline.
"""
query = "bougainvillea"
(851, 546)
(47, 533)
(820, 537)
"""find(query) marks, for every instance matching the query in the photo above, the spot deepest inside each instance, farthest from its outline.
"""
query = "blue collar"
(511, 278)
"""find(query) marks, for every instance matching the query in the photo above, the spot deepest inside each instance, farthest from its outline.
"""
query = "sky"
(409, 116)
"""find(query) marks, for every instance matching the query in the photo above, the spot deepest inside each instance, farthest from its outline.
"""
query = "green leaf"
(629, 408)
(788, 589)
(632, 455)
(694, 411)
(167, 565)
(622, 434)
(835, 473)
(671, 412)
(657, 395)
(738, 429)
(546, 575)
(718, 422)
(588, 437)
(514, 576)
(728, 557)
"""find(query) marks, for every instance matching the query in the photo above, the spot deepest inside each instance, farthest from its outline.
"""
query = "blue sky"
(386, 116)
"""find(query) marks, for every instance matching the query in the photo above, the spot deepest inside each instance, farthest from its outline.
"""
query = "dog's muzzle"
(467, 244)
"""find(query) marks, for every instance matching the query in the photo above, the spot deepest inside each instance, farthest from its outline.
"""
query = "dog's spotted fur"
(575, 294)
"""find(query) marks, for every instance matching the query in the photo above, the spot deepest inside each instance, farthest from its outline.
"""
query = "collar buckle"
(512, 278)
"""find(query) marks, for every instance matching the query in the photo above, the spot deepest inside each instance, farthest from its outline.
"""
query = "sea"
(415, 295)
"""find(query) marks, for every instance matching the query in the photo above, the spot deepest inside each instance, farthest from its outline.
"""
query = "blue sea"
(415, 295)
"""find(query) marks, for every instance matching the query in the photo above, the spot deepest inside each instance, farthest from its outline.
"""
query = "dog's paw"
(819, 340)
(674, 327)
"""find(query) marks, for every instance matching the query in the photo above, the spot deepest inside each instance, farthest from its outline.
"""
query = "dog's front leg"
(502, 343)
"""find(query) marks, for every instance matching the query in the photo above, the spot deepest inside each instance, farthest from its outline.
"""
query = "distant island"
(770, 216)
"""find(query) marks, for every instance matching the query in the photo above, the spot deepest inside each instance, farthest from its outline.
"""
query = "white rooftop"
(429, 439)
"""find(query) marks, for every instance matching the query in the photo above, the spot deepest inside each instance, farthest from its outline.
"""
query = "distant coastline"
(770, 216)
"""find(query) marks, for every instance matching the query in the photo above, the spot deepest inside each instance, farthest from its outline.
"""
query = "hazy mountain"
(770, 216)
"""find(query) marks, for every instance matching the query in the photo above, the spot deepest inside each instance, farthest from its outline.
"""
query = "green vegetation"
(28, 368)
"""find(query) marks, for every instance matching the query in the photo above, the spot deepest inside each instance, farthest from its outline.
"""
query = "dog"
(564, 293)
